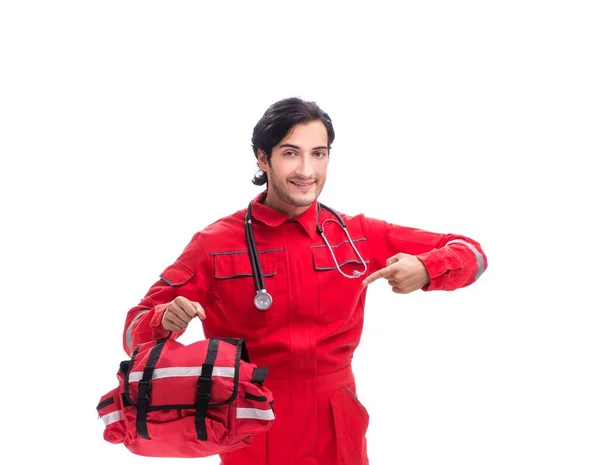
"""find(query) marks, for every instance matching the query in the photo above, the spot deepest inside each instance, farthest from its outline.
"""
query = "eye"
(289, 153)
(320, 154)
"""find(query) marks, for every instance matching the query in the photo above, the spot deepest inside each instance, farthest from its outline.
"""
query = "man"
(316, 287)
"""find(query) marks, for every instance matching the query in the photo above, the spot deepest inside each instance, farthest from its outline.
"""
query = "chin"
(301, 200)
(308, 197)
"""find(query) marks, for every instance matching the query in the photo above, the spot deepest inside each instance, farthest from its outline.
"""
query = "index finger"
(375, 276)
(188, 308)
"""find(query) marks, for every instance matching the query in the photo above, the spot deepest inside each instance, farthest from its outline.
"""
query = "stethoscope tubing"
(263, 299)
(258, 277)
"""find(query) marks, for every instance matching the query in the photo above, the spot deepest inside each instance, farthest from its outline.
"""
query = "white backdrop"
(125, 127)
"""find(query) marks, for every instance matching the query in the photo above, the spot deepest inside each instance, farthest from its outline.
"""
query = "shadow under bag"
(196, 400)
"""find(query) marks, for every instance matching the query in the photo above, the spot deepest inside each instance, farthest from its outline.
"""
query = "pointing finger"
(372, 277)
(382, 273)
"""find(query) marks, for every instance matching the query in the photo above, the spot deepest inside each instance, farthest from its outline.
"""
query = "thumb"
(200, 311)
(395, 258)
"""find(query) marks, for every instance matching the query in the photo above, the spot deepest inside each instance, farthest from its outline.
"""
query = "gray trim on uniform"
(327, 268)
(128, 333)
(338, 245)
(478, 256)
(234, 252)
(237, 275)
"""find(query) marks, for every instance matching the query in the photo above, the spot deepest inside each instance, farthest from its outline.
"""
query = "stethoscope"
(263, 299)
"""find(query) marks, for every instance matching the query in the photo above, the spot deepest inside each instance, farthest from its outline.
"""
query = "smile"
(303, 185)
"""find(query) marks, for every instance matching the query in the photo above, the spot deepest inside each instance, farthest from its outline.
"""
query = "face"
(298, 168)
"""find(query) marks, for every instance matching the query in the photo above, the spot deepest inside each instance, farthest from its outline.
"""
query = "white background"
(125, 127)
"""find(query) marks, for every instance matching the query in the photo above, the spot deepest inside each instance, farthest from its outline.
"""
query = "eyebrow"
(320, 147)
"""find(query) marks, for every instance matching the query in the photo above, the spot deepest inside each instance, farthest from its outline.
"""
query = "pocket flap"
(235, 265)
(110, 411)
(176, 274)
(344, 254)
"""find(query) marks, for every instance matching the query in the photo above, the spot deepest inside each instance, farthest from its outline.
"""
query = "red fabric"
(316, 319)
(172, 429)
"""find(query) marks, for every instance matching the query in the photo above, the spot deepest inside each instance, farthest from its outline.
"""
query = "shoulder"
(223, 233)
(235, 219)
(358, 222)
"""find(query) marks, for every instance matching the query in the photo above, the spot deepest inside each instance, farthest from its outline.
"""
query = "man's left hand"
(404, 272)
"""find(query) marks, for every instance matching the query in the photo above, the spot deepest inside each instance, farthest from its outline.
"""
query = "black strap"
(259, 374)
(144, 388)
(239, 342)
(244, 356)
(204, 387)
(126, 366)
(126, 401)
(105, 403)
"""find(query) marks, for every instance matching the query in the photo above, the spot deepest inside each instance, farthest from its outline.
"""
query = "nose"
(305, 168)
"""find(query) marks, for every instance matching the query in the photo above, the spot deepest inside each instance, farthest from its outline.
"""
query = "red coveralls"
(308, 336)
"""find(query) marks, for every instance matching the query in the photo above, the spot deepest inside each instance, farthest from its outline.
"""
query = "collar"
(274, 218)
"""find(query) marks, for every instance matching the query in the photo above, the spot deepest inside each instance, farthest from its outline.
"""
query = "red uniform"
(308, 336)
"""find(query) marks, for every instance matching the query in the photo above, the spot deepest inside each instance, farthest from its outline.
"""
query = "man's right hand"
(180, 312)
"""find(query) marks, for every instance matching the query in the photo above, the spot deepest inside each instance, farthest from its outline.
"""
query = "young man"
(308, 323)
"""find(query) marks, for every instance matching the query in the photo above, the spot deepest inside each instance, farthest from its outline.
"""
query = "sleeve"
(188, 276)
(452, 260)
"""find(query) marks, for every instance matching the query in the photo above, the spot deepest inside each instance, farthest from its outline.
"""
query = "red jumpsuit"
(308, 336)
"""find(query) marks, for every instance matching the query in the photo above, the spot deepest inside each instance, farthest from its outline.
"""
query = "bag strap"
(203, 389)
(144, 388)
(126, 367)
(239, 342)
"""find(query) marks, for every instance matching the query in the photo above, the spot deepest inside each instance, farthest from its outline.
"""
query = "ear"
(262, 160)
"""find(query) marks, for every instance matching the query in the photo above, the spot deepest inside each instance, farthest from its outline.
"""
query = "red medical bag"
(196, 400)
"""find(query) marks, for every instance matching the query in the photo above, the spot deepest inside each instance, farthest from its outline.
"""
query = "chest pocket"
(235, 289)
(339, 294)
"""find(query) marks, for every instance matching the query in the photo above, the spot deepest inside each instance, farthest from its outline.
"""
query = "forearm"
(456, 262)
(451, 260)
(144, 323)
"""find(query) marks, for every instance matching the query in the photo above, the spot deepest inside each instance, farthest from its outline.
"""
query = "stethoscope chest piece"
(263, 300)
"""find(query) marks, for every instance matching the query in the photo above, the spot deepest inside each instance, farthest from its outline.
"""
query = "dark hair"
(279, 119)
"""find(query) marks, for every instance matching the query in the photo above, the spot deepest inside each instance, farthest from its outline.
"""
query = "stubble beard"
(283, 194)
